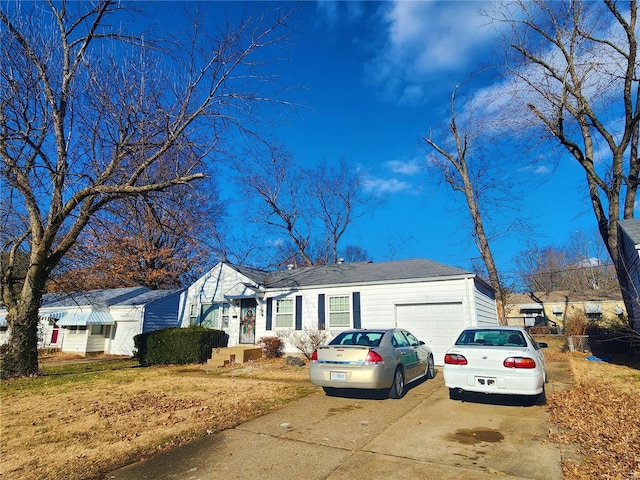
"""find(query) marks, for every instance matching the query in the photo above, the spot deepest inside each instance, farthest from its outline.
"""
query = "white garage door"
(437, 324)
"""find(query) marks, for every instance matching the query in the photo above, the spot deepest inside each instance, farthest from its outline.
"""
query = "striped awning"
(86, 318)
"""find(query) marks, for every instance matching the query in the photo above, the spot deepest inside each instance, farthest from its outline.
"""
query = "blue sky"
(377, 76)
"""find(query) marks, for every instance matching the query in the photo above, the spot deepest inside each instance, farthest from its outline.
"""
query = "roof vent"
(291, 266)
(340, 260)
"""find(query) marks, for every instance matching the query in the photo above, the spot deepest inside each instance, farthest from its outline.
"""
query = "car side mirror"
(543, 345)
(422, 343)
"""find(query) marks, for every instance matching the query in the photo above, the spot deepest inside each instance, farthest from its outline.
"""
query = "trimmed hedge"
(178, 346)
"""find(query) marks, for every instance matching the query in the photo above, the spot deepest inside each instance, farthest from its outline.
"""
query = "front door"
(248, 320)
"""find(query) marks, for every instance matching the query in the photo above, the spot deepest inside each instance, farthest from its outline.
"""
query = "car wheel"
(431, 368)
(397, 387)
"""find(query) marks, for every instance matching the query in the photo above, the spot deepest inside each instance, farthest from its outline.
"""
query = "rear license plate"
(338, 376)
(486, 382)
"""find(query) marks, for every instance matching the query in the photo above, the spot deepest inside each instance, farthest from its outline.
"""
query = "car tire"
(431, 368)
(397, 387)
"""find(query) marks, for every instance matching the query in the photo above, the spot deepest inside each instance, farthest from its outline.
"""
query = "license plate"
(486, 382)
(338, 376)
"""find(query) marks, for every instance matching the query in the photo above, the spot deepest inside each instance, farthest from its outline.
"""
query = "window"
(75, 330)
(284, 313)
(215, 315)
(399, 340)
(225, 315)
(97, 329)
(193, 314)
(339, 314)
(209, 317)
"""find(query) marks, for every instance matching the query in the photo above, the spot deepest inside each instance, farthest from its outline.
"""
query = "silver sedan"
(371, 359)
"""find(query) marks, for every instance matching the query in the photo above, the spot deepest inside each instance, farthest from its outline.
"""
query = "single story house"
(104, 321)
(433, 301)
(629, 251)
(552, 308)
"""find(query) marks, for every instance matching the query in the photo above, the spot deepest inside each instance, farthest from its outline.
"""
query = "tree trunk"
(21, 358)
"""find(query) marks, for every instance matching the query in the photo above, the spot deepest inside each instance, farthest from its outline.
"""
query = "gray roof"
(148, 297)
(94, 298)
(354, 273)
(631, 227)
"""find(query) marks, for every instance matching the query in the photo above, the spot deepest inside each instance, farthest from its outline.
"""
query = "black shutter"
(357, 320)
(321, 323)
(269, 313)
(298, 312)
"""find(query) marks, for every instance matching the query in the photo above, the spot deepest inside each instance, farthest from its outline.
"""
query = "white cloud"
(381, 186)
(423, 39)
(405, 168)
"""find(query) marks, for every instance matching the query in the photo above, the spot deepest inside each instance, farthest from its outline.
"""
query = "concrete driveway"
(425, 435)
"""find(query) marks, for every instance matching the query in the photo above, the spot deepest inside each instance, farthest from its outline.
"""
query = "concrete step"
(221, 357)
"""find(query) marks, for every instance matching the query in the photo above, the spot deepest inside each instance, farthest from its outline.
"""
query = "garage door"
(437, 324)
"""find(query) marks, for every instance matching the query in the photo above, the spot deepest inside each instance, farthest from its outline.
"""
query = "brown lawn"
(598, 420)
(80, 425)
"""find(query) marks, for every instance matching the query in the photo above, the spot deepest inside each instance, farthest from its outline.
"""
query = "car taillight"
(454, 359)
(519, 362)
(373, 357)
(314, 356)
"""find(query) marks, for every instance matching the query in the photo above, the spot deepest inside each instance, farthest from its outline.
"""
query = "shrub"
(272, 347)
(178, 346)
(576, 323)
(308, 340)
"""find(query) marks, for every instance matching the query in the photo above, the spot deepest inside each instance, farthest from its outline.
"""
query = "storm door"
(248, 320)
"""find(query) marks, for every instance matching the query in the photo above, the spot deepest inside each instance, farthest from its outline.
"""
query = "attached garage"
(437, 324)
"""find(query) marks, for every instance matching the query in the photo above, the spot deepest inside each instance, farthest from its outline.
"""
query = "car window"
(413, 341)
(492, 337)
(367, 338)
(399, 340)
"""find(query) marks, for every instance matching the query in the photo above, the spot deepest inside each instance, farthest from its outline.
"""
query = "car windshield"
(492, 337)
(371, 339)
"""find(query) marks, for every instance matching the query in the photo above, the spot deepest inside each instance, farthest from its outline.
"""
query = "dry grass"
(81, 425)
(599, 420)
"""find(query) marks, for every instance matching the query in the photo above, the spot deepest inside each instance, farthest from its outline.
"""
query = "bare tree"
(92, 112)
(460, 161)
(581, 265)
(312, 208)
(575, 67)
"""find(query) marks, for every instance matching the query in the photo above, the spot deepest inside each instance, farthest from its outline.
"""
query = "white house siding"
(96, 342)
(75, 340)
(485, 304)
(128, 325)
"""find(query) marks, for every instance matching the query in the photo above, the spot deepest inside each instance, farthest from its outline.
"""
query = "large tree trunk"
(21, 358)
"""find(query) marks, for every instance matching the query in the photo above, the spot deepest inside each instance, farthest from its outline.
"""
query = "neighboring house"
(432, 300)
(104, 321)
(552, 308)
(629, 251)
